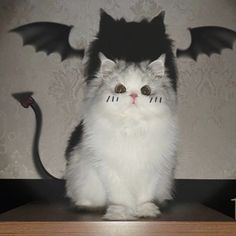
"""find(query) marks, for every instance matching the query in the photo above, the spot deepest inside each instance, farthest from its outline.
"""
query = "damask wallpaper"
(206, 95)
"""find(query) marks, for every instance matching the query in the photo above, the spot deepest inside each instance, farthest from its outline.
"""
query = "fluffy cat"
(122, 155)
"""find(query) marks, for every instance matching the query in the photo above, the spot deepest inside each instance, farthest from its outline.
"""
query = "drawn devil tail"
(26, 100)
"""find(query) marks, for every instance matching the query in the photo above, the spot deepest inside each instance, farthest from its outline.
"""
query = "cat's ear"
(159, 18)
(105, 20)
(107, 65)
(158, 66)
(158, 21)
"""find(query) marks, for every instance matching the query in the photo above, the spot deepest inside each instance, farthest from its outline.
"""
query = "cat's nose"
(133, 95)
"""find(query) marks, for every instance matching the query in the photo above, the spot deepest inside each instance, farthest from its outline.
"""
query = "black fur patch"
(133, 42)
(75, 139)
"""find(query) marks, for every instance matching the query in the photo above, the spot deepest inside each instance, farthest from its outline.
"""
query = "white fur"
(126, 158)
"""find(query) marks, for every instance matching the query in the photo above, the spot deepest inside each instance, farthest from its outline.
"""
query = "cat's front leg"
(145, 203)
(147, 209)
(121, 203)
(160, 192)
(119, 212)
(145, 206)
(83, 185)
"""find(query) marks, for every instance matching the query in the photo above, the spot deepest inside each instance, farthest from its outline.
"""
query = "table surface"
(60, 218)
(62, 210)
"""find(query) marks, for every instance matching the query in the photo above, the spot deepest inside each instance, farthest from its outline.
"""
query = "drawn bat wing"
(208, 40)
(49, 37)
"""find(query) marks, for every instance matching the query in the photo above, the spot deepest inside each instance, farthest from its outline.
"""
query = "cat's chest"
(129, 138)
(122, 131)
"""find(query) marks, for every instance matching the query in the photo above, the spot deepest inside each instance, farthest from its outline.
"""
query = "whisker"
(108, 98)
(151, 99)
(113, 98)
(155, 99)
(117, 99)
(160, 99)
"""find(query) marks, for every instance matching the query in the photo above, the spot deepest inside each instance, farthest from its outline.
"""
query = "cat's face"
(138, 90)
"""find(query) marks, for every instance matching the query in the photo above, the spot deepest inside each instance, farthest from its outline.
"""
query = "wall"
(207, 89)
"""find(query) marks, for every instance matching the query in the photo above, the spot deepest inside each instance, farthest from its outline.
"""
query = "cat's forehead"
(133, 74)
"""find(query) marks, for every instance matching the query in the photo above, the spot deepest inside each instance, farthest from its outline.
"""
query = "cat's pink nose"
(133, 96)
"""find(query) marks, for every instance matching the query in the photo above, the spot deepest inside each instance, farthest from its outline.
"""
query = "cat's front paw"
(119, 212)
(147, 209)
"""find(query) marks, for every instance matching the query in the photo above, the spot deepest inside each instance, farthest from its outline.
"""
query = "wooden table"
(59, 218)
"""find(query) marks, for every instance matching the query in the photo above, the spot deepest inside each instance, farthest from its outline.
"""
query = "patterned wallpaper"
(207, 89)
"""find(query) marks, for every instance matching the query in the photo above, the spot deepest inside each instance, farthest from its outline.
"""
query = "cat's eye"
(146, 90)
(120, 88)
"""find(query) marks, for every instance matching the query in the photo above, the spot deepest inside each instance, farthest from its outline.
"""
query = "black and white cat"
(122, 155)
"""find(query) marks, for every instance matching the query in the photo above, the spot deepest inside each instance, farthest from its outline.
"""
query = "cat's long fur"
(125, 157)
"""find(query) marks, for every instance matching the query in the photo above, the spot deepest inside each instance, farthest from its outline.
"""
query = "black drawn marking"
(155, 99)
(108, 98)
(117, 99)
(113, 98)
(160, 99)
(151, 99)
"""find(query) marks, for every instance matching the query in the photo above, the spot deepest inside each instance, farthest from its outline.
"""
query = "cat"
(122, 155)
